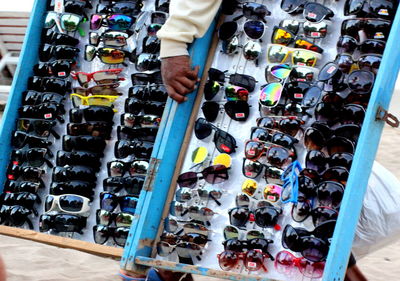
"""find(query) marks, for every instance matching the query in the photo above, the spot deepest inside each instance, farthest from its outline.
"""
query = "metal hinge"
(153, 169)
(384, 115)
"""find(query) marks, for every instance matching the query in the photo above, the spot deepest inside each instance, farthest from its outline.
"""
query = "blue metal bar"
(363, 159)
(29, 57)
(140, 243)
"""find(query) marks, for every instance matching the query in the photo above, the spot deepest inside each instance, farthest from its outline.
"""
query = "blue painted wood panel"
(28, 58)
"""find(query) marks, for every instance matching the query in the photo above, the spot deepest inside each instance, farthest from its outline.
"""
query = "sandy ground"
(31, 261)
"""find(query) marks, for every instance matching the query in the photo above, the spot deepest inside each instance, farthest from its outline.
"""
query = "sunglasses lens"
(360, 81)
(252, 50)
(254, 29)
(210, 110)
(315, 30)
(238, 110)
(277, 54)
(315, 12)
(255, 11)
(238, 216)
(312, 269)
(266, 217)
(249, 187)
(322, 214)
(251, 169)
(346, 44)
(373, 46)
(111, 55)
(281, 71)
(370, 62)
(228, 260)
(70, 22)
(315, 249)
(304, 58)
(119, 22)
(290, 6)
(330, 194)
(271, 94)
(215, 174)
(227, 30)
(231, 232)
(301, 210)
(272, 193)
(253, 150)
(282, 37)
(311, 97)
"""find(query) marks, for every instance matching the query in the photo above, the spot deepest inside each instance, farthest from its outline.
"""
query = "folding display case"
(170, 149)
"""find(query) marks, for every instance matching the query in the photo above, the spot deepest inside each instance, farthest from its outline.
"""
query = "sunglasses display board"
(81, 122)
(270, 180)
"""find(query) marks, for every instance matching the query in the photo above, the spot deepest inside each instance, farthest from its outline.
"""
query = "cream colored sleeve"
(188, 19)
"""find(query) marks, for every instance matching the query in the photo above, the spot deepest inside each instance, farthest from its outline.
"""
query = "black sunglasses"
(140, 121)
(34, 157)
(22, 186)
(147, 62)
(366, 9)
(372, 28)
(318, 161)
(94, 128)
(69, 173)
(49, 84)
(143, 78)
(224, 142)
(65, 52)
(57, 68)
(89, 143)
(118, 168)
(149, 92)
(140, 149)
(24, 199)
(110, 38)
(142, 134)
(102, 233)
(252, 169)
(135, 106)
(84, 158)
(132, 8)
(92, 113)
(348, 44)
(20, 139)
(39, 127)
(82, 188)
(151, 45)
(62, 223)
(15, 216)
(35, 98)
(332, 113)
(47, 111)
(110, 201)
(238, 110)
(132, 184)
(52, 37)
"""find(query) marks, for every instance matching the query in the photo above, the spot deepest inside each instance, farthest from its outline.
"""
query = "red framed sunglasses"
(100, 77)
(286, 263)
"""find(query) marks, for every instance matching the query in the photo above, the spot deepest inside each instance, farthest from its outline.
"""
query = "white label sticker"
(298, 95)
(59, 6)
(315, 34)
(312, 15)
(62, 74)
(379, 35)
(48, 116)
(331, 69)
(239, 115)
(383, 12)
(251, 264)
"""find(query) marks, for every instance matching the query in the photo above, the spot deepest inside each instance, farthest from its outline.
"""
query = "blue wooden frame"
(139, 251)
(28, 58)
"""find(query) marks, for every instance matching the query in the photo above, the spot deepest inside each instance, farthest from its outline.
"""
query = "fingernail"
(185, 99)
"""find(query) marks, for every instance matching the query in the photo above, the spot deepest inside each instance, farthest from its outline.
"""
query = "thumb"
(193, 74)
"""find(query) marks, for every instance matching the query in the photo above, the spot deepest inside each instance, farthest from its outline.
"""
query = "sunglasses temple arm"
(48, 162)
(30, 224)
(54, 133)
(238, 18)
(215, 200)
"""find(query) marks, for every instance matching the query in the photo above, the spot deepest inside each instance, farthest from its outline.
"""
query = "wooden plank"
(16, 30)
(13, 38)
(62, 242)
(13, 46)
(15, 14)
(14, 21)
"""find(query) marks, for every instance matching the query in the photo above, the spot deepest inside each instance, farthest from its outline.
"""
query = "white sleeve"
(188, 19)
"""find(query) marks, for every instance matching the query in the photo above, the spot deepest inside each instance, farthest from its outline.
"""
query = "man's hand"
(178, 77)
